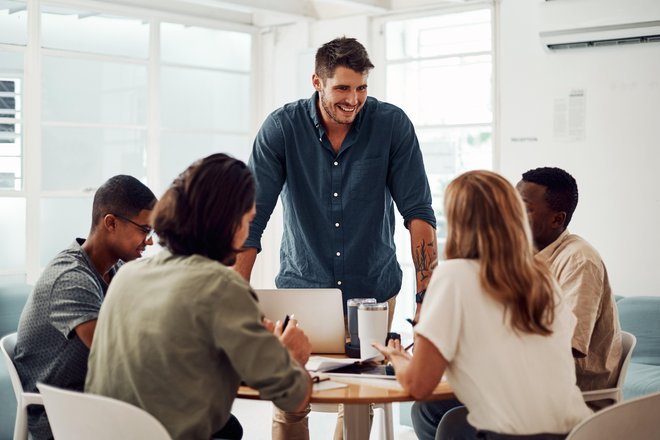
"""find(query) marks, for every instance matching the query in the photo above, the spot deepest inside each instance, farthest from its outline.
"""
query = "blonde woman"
(493, 320)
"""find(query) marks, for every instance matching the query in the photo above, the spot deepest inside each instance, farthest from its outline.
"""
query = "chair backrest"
(635, 419)
(628, 342)
(7, 344)
(75, 415)
(639, 316)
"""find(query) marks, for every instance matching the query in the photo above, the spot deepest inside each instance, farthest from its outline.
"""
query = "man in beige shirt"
(551, 196)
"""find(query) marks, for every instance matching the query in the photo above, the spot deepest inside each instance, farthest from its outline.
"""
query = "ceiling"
(273, 12)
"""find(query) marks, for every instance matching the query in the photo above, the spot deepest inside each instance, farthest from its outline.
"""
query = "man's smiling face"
(342, 96)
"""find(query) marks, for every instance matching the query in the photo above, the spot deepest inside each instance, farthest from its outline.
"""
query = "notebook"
(319, 313)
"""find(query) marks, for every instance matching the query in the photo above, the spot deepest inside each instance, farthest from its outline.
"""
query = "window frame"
(32, 121)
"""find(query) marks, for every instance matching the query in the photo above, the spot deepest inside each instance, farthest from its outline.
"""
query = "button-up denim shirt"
(338, 210)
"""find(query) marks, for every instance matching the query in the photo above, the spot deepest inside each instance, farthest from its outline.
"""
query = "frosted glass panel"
(83, 158)
(13, 22)
(205, 47)
(179, 150)
(12, 234)
(11, 63)
(203, 99)
(439, 35)
(82, 31)
(460, 90)
(62, 220)
(94, 91)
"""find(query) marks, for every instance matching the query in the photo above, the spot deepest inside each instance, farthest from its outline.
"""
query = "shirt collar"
(550, 249)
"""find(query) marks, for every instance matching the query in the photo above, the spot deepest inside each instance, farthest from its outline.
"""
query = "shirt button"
(336, 225)
(335, 194)
(336, 163)
(339, 283)
(338, 254)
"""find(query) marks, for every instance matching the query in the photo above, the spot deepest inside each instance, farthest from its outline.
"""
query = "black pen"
(286, 322)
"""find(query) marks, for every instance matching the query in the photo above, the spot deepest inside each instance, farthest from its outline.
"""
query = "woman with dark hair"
(493, 319)
(179, 331)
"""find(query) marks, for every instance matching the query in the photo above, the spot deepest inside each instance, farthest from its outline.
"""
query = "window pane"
(12, 234)
(447, 91)
(449, 152)
(11, 161)
(203, 47)
(439, 35)
(13, 22)
(203, 99)
(181, 149)
(85, 31)
(83, 158)
(62, 221)
(94, 91)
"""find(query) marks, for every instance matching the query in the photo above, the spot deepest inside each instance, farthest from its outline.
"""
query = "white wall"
(615, 161)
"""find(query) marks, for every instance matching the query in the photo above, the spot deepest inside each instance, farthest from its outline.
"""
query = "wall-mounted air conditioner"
(568, 24)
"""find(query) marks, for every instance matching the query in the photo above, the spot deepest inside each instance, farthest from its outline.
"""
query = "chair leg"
(388, 421)
(20, 427)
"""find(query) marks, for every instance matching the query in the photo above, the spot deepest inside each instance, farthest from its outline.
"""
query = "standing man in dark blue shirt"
(339, 160)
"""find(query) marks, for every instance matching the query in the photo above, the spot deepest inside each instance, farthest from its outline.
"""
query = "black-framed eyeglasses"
(146, 229)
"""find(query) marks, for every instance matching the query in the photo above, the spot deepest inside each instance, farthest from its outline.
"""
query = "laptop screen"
(319, 313)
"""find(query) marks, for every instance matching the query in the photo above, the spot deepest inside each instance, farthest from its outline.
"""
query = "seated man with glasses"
(57, 325)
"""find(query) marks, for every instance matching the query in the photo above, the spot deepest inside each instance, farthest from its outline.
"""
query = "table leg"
(356, 422)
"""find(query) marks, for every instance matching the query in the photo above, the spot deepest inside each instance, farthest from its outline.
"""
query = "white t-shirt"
(511, 383)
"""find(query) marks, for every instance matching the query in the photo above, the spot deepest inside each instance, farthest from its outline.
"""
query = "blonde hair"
(487, 221)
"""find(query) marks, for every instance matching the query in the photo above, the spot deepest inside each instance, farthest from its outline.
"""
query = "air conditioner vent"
(570, 24)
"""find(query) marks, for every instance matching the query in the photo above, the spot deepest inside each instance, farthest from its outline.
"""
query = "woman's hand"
(393, 352)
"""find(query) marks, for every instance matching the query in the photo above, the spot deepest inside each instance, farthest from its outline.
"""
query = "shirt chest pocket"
(367, 179)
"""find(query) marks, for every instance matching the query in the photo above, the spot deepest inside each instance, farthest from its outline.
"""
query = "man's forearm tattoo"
(424, 259)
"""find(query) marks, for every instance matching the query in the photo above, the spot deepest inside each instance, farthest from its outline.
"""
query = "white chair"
(74, 415)
(23, 399)
(635, 419)
(628, 342)
(388, 420)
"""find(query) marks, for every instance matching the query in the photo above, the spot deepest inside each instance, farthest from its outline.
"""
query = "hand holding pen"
(294, 339)
(287, 318)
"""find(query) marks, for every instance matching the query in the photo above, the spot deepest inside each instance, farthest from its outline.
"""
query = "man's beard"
(327, 110)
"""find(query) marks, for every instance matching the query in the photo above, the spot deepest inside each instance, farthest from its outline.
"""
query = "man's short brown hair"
(344, 52)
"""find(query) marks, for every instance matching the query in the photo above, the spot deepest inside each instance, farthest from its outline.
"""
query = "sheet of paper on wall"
(570, 116)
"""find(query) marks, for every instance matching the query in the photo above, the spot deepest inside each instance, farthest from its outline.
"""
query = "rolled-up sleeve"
(259, 358)
(267, 164)
(406, 177)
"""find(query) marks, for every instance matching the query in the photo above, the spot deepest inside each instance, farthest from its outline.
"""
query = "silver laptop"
(319, 313)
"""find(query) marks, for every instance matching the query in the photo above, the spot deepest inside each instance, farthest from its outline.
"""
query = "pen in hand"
(287, 318)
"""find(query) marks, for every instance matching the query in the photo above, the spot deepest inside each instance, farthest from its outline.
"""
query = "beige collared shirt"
(583, 278)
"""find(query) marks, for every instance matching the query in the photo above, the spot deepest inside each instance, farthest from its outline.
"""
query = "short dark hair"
(342, 51)
(561, 190)
(121, 195)
(203, 208)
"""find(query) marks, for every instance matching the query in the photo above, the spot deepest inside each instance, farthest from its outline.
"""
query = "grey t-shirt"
(68, 293)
